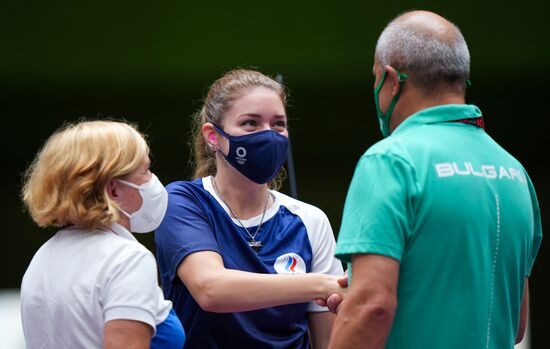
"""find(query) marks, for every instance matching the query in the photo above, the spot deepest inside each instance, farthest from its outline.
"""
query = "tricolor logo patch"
(290, 263)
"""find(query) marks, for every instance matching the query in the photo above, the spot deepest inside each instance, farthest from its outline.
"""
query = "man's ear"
(394, 78)
(210, 135)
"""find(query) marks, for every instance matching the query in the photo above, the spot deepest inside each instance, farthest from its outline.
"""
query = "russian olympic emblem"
(290, 263)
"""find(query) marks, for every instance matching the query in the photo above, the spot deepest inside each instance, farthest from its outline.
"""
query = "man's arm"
(523, 313)
(320, 326)
(365, 316)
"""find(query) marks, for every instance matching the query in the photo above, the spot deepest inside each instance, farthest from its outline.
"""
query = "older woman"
(93, 284)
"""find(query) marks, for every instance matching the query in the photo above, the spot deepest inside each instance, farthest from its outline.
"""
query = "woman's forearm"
(218, 289)
(234, 290)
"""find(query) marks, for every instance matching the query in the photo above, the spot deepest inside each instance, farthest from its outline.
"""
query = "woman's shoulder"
(116, 240)
(312, 217)
(109, 246)
(298, 207)
(189, 196)
(186, 190)
(182, 186)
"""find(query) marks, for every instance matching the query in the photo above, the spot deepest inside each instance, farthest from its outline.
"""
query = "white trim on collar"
(251, 222)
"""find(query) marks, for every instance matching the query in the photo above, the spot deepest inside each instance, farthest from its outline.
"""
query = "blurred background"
(151, 63)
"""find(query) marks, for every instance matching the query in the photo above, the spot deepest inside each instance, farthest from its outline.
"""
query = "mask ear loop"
(402, 76)
(216, 148)
(132, 185)
(222, 132)
(387, 115)
(213, 148)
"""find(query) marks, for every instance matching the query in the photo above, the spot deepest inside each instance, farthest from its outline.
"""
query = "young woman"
(241, 262)
(93, 285)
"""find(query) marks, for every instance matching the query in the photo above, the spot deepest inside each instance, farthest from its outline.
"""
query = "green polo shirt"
(461, 216)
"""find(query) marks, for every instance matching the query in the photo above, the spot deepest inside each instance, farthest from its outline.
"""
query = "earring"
(213, 148)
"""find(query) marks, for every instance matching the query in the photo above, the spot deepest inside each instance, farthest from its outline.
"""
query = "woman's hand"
(337, 295)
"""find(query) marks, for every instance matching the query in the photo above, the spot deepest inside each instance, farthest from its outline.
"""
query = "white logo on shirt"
(449, 169)
(290, 263)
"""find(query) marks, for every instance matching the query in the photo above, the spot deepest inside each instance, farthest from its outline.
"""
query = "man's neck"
(413, 102)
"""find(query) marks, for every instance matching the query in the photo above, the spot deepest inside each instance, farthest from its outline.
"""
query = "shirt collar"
(122, 232)
(440, 113)
(251, 222)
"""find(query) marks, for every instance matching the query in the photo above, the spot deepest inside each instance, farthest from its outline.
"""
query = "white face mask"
(155, 201)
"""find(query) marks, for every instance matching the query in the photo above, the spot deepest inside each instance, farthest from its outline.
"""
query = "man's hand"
(333, 301)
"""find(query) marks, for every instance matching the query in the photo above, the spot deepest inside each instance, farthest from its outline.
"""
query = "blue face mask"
(384, 118)
(258, 156)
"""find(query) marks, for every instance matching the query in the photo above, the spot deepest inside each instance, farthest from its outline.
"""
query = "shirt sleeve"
(185, 229)
(379, 208)
(537, 231)
(130, 290)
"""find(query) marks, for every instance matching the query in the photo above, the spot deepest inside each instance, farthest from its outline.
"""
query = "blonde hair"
(66, 183)
(220, 97)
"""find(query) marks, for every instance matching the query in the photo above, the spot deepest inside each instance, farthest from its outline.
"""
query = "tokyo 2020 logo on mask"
(290, 263)
(241, 155)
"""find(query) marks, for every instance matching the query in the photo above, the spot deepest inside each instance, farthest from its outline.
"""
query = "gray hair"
(431, 58)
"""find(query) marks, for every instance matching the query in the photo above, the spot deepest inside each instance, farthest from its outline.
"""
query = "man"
(441, 226)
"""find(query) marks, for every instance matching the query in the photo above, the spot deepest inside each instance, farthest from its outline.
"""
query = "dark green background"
(151, 64)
